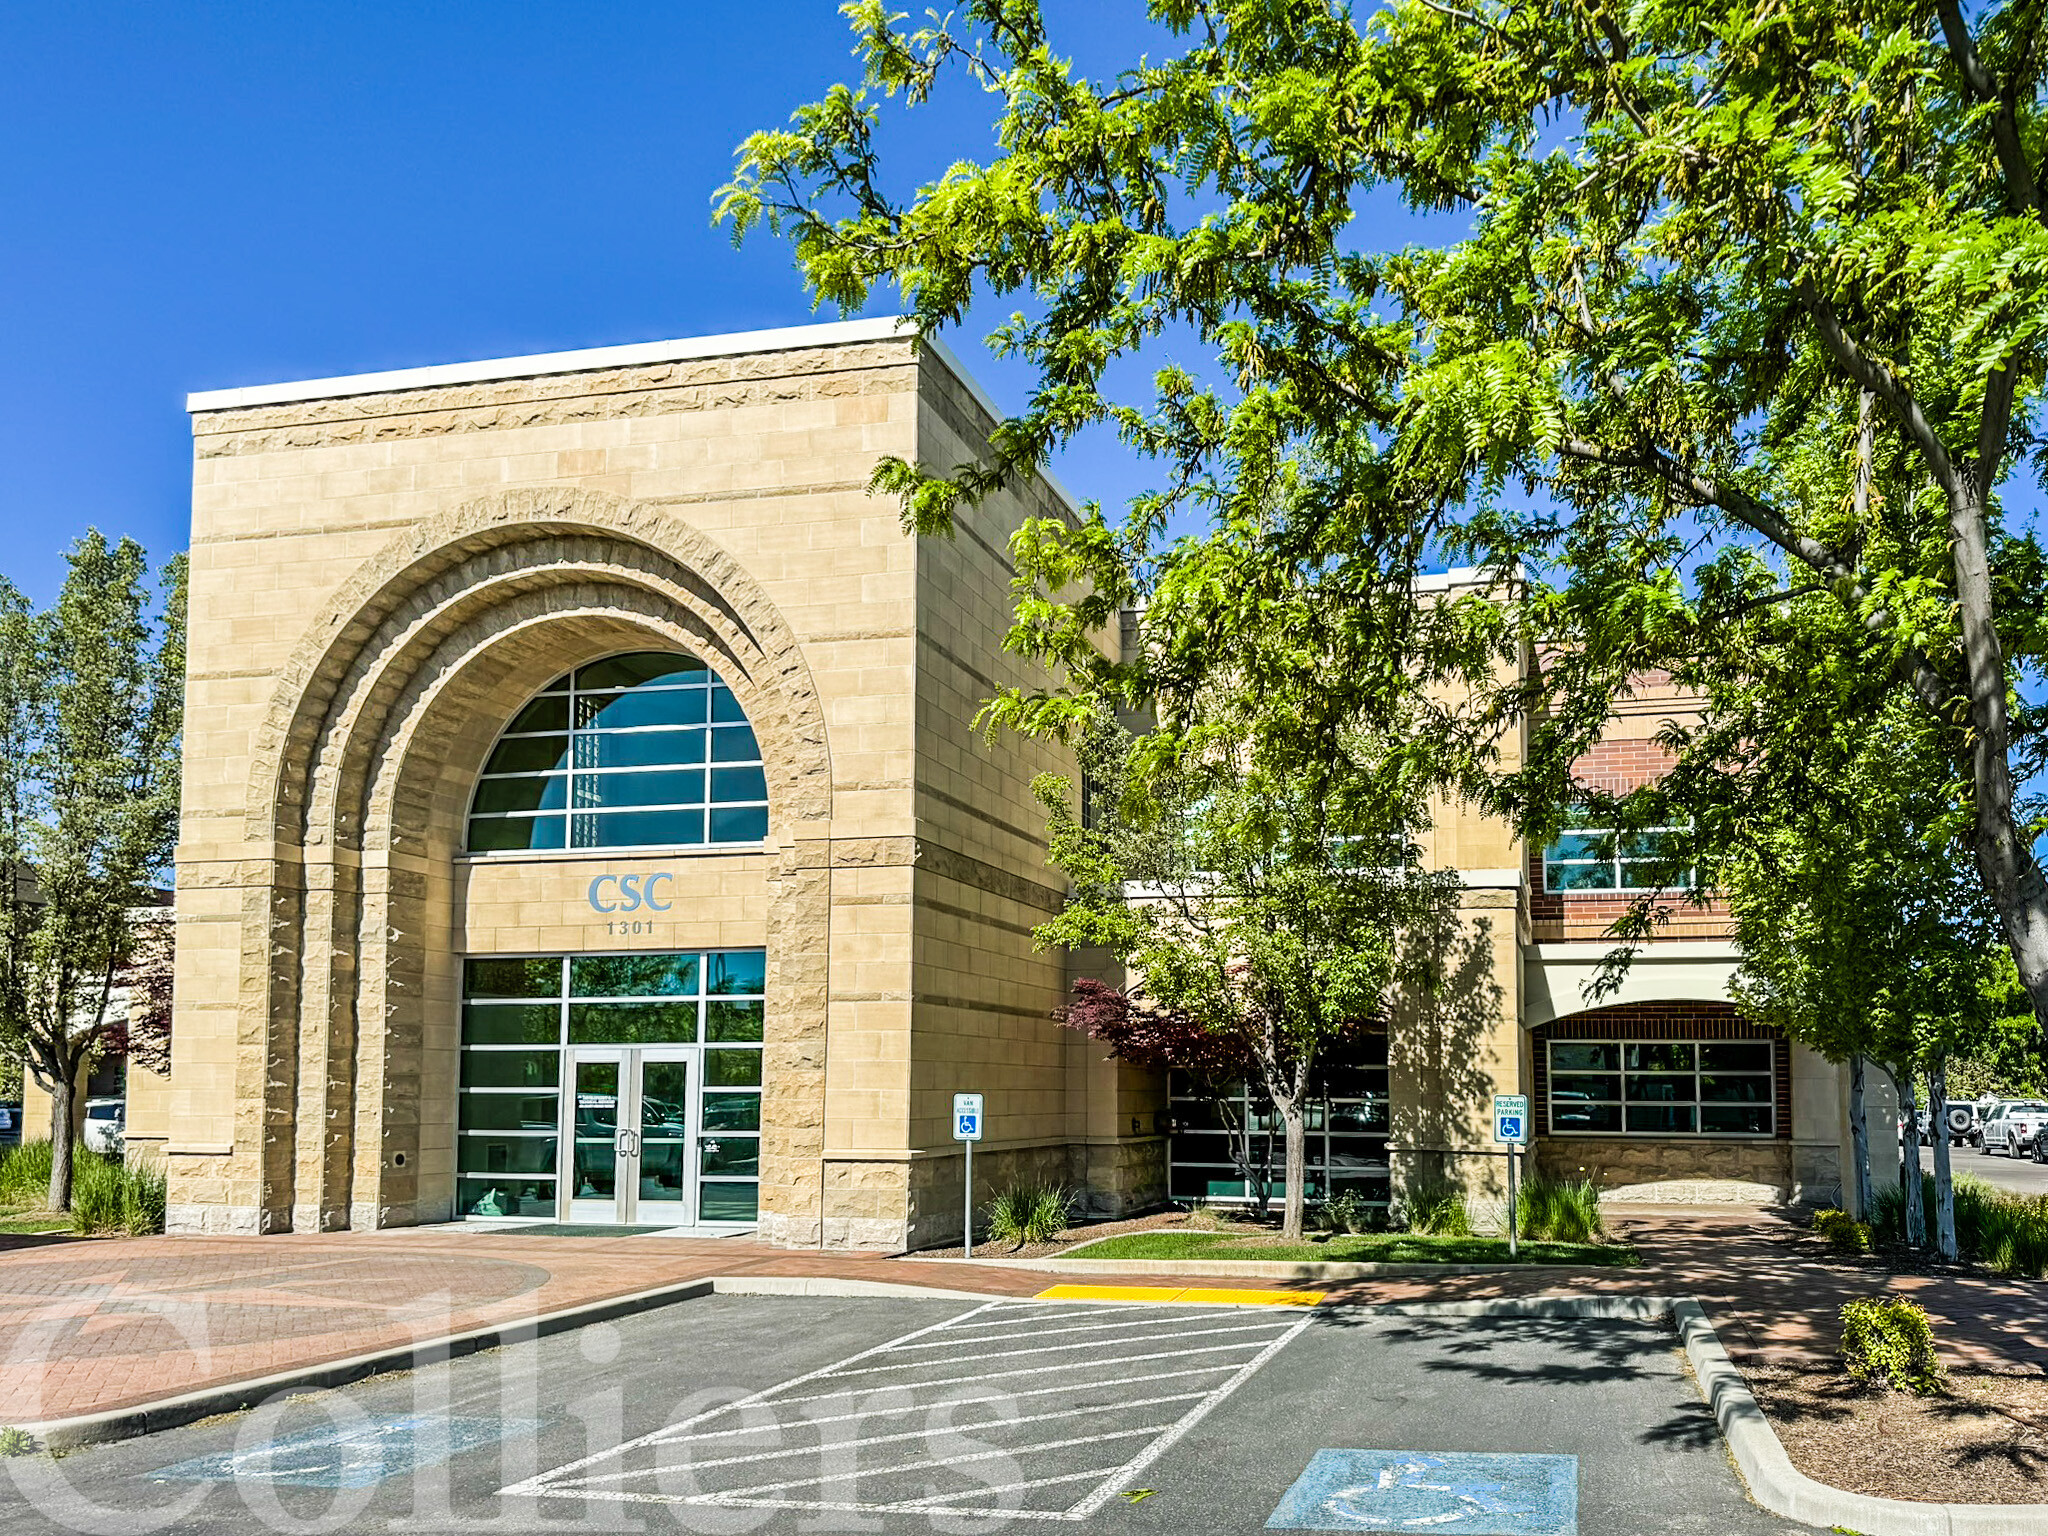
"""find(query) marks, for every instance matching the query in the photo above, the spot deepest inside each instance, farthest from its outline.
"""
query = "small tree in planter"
(1264, 914)
(1139, 1031)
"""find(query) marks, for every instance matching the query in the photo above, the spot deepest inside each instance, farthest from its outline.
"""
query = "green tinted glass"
(511, 1023)
(633, 976)
(509, 1111)
(732, 1112)
(511, 1069)
(633, 1023)
(512, 978)
(732, 1069)
(732, 1021)
(728, 1202)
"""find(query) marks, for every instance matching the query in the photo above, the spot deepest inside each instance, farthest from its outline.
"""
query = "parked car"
(106, 1125)
(1962, 1124)
(10, 1124)
(2011, 1127)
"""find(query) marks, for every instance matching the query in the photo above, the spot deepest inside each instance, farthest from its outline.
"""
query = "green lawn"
(1359, 1248)
(15, 1220)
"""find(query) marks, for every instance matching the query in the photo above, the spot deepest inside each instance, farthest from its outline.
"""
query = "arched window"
(647, 750)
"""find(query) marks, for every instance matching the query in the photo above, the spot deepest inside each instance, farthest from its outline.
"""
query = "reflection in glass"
(728, 1202)
(488, 1197)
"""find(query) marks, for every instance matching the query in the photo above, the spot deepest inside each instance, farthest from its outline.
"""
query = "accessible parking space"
(788, 1414)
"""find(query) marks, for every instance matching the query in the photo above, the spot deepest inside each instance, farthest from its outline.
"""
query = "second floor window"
(1601, 859)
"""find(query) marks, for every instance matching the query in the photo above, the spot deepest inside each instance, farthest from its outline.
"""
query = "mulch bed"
(1985, 1443)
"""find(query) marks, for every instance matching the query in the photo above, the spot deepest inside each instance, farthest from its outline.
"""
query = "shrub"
(1438, 1210)
(2001, 1229)
(1889, 1340)
(15, 1442)
(1204, 1217)
(25, 1173)
(1558, 1210)
(114, 1197)
(1029, 1213)
(107, 1195)
(1842, 1232)
(1349, 1211)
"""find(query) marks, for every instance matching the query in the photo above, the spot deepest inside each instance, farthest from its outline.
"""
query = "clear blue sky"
(201, 195)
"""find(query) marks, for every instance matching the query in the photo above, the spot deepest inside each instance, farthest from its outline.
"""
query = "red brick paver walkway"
(91, 1325)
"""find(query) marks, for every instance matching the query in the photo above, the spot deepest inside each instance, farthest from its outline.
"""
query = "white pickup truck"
(2014, 1127)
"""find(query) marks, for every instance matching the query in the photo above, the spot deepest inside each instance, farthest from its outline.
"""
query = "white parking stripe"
(1166, 1442)
(1029, 1370)
(1262, 1326)
(937, 1499)
(783, 1452)
(530, 1485)
(1096, 1373)
(1207, 1314)
(928, 1463)
(941, 1402)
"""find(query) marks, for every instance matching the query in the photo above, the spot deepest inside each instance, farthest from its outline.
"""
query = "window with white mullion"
(1704, 1088)
(1603, 859)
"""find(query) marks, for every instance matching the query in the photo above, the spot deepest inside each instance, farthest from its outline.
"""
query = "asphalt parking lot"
(2020, 1173)
(772, 1414)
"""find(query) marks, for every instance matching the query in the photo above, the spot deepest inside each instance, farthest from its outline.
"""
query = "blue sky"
(204, 195)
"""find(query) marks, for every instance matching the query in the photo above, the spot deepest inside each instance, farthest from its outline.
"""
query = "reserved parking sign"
(1511, 1119)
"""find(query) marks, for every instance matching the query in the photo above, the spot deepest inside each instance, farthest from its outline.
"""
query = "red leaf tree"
(1168, 1039)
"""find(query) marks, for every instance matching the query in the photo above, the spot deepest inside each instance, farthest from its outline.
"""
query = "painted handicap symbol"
(1469, 1493)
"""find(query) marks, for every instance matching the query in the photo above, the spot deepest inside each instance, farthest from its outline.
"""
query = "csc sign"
(631, 893)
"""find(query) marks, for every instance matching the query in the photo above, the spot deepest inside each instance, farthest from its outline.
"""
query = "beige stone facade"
(386, 569)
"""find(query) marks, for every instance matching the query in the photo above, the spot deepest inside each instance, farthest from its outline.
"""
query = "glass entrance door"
(625, 1148)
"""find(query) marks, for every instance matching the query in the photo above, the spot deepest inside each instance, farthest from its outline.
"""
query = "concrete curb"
(825, 1285)
(190, 1407)
(1267, 1269)
(1783, 1489)
(1621, 1308)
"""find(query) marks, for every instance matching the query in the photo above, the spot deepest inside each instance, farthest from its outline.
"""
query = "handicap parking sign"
(967, 1117)
(1511, 1118)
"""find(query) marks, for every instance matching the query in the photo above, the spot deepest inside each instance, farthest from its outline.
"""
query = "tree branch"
(1927, 683)
(1874, 376)
(2022, 188)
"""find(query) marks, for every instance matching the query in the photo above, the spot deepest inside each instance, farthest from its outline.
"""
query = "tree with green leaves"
(1816, 802)
(1703, 249)
(91, 708)
(1266, 915)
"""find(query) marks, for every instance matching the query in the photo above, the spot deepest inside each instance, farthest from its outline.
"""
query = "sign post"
(1511, 1127)
(967, 1131)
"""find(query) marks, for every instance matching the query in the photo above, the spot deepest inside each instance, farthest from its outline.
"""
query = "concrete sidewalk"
(88, 1326)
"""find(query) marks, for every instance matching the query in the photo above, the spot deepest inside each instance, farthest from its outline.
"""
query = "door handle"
(626, 1144)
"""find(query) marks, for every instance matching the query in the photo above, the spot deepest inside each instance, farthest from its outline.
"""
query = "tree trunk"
(1296, 1121)
(2012, 878)
(1859, 1139)
(1944, 1184)
(1913, 1212)
(63, 1100)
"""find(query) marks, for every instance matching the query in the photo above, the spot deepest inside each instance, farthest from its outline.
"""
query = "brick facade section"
(1616, 767)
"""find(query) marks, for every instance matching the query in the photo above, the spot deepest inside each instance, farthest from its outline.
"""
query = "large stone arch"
(359, 787)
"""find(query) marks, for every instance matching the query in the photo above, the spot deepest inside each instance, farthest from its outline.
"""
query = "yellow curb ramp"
(1183, 1295)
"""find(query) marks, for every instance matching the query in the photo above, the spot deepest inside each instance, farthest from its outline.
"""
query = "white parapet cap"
(637, 354)
(587, 360)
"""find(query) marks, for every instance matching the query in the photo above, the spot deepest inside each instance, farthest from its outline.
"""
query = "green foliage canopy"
(1753, 304)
